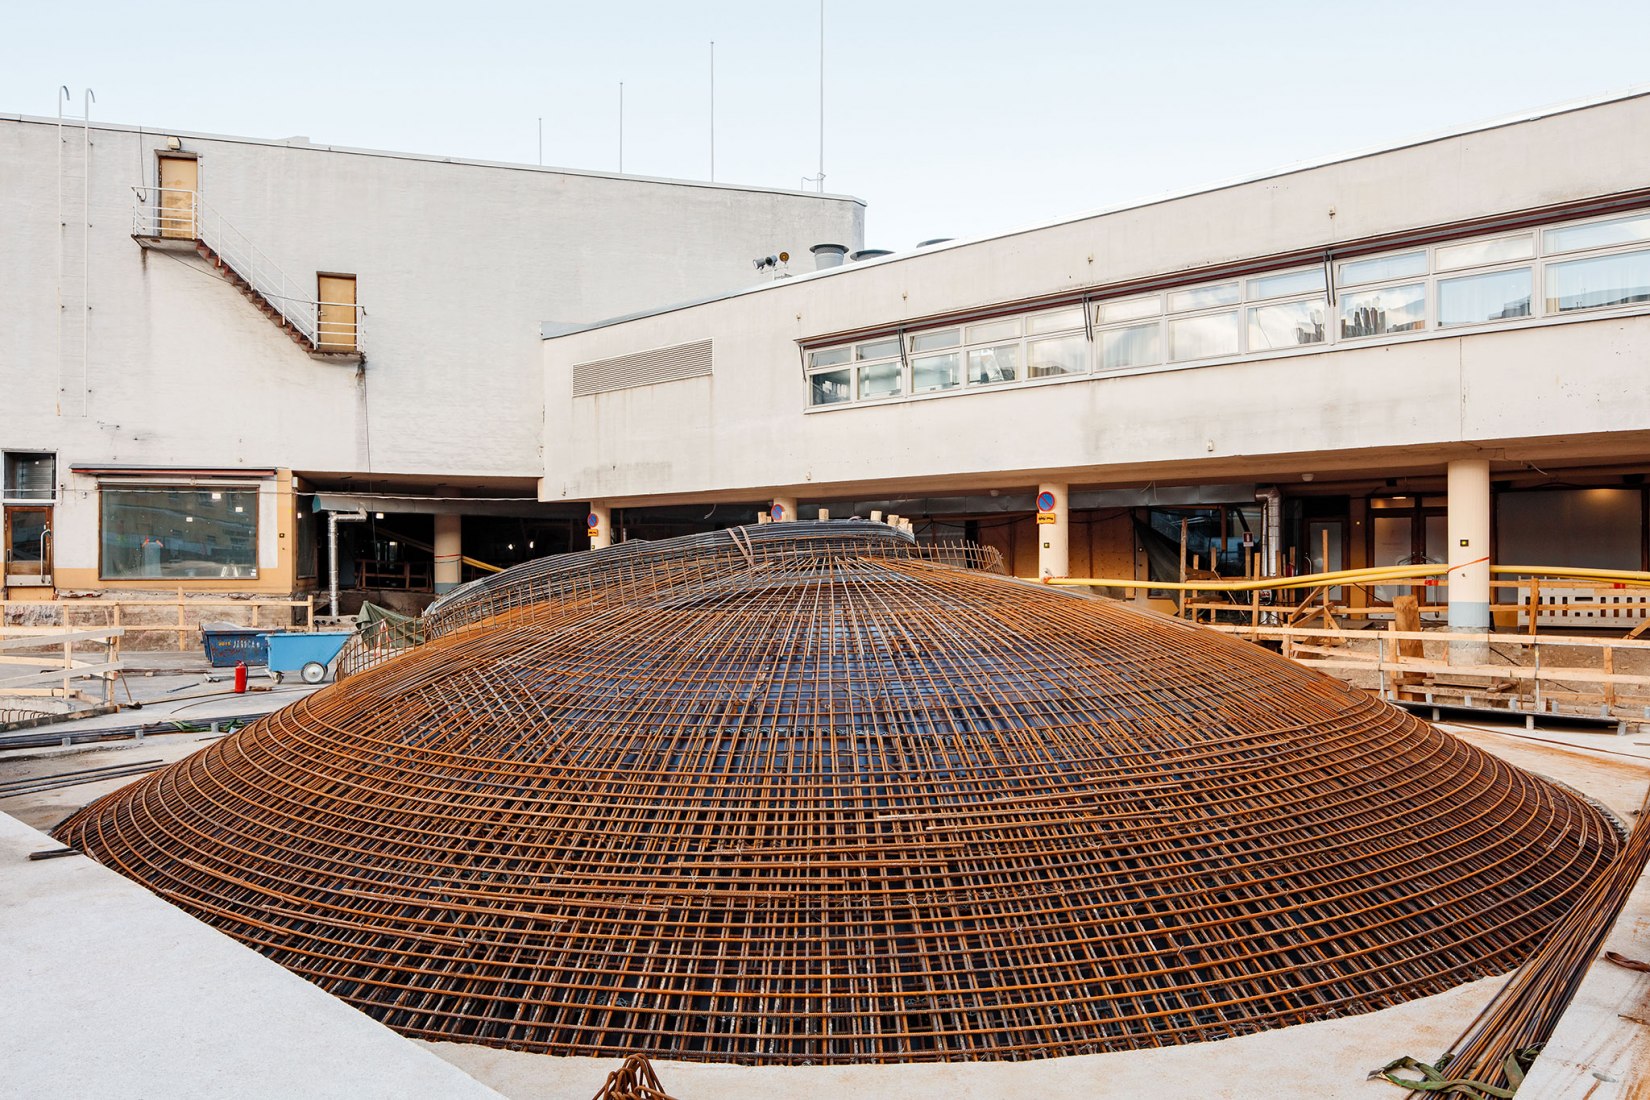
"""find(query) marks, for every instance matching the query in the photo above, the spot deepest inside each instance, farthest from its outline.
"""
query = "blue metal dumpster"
(306, 654)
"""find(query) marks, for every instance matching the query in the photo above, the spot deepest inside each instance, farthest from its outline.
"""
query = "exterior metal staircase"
(251, 294)
(168, 219)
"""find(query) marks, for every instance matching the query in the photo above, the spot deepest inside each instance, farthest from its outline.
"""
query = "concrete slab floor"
(178, 694)
(111, 992)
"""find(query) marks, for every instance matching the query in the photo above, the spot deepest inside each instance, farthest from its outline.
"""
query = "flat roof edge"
(430, 158)
(1638, 91)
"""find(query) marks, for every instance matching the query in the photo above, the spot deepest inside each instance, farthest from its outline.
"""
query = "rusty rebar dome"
(809, 796)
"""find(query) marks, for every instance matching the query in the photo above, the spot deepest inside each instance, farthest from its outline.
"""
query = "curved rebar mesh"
(646, 567)
(845, 806)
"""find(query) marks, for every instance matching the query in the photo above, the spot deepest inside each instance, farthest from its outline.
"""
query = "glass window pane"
(993, 331)
(1619, 280)
(1381, 312)
(1381, 268)
(830, 357)
(928, 341)
(26, 541)
(1058, 321)
(829, 387)
(878, 349)
(179, 532)
(1203, 297)
(1478, 253)
(1572, 238)
(881, 380)
(30, 476)
(990, 365)
(1129, 309)
(1290, 282)
(1475, 299)
(1286, 325)
(1066, 355)
(1135, 346)
(308, 527)
(936, 372)
(1202, 337)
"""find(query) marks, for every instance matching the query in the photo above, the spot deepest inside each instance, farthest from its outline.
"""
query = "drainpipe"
(1271, 530)
(333, 520)
(1271, 553)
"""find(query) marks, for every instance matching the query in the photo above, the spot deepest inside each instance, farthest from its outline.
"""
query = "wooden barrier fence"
(45, 662)
(138, 615)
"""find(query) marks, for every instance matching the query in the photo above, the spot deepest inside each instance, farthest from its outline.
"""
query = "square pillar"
(1053, 531)
(1469, 544)
(600, 522)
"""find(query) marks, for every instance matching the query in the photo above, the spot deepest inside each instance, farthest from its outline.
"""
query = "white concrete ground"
(120, 994)
(107, 991)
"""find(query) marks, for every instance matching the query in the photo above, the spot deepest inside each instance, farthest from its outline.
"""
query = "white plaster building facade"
(1382, 338)
(147, 396)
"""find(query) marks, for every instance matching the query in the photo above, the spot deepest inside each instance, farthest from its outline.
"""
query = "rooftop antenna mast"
(713, 110)
(822, 96)
(819, 180)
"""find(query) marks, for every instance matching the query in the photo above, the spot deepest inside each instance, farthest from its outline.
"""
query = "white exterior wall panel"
(748, 434)
(457, 265)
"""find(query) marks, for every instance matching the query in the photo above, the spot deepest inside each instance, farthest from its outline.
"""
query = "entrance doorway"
(336, 328)
(1409, 530)
(179, 184)
(28, 545)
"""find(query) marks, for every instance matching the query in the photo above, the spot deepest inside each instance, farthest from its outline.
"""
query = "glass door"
(28, 545)
(1406, 530)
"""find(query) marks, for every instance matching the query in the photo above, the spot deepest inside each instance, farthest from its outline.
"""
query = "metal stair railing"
(175, 214)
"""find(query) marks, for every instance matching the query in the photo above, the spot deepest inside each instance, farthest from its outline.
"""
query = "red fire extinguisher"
(240, 677)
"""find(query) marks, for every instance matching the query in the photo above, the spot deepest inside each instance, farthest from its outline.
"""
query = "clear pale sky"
(950, 119)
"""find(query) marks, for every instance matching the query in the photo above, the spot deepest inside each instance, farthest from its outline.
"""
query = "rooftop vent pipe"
(828, 255)
(935, 240)
(869, 254)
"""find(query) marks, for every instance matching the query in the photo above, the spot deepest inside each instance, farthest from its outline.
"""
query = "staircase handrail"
(209, 227)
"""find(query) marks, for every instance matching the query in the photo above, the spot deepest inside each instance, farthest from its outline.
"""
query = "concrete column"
(601, 525)
(1469, 540)
(783, 510)
(1053, 532)
(449, 552)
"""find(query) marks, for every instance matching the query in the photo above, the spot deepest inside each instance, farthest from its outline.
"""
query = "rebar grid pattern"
(851, 806)
(647, 567)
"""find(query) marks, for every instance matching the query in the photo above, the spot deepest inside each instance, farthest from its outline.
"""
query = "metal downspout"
(333, 520)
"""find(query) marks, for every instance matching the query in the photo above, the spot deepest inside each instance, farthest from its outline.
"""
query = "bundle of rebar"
(1508, 1034)
(828, 801)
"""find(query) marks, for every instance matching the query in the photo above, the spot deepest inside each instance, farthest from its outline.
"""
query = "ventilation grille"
(642, 369)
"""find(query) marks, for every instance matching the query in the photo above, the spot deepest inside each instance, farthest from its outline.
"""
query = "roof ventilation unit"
(828, 255)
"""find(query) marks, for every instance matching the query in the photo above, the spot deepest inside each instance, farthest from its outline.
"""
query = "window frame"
(1329, 293)
(6, 458)
(253, 487)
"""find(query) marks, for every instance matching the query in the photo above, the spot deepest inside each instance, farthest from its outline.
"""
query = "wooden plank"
(49, 675)
(1489, 672)
(1550, 640)
(34, 640)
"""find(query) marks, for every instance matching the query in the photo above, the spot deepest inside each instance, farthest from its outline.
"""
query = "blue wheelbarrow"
(309, 655)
